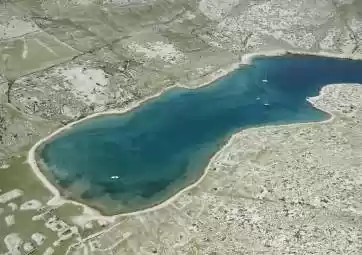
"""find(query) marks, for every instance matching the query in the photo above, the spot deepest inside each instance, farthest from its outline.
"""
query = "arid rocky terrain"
(273, 190)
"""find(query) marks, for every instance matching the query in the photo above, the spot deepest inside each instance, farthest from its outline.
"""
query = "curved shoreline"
(246, 60)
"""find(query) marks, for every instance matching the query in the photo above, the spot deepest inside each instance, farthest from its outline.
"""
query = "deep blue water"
(121, 163)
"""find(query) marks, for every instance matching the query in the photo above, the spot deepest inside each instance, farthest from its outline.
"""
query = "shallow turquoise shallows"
(123, 163)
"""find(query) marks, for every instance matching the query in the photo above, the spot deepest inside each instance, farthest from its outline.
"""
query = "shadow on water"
(132, 161)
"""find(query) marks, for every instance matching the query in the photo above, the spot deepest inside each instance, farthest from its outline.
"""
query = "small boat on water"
(265, 80)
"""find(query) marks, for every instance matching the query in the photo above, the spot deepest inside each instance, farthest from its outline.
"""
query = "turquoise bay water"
(122, 163)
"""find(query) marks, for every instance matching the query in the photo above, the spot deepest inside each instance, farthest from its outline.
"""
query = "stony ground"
(272, 190)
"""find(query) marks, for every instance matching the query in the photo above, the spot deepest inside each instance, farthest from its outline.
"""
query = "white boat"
(265, 80)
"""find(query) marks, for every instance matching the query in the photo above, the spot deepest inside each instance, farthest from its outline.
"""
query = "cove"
(127, 162)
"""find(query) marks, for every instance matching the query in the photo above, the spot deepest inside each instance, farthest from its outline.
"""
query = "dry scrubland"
(273, 190)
